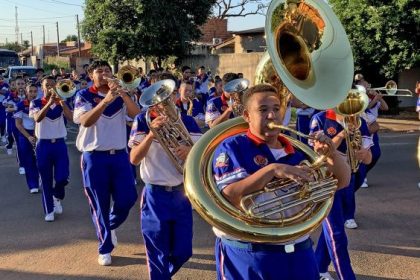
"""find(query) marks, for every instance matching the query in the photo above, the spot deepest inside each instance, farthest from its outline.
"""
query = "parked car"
(14, 71)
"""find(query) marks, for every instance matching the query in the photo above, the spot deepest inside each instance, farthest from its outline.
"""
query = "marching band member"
(217, 109)
(216, 90)
(4, 93)
(376, 102)
(101, 112)
(268, 156)
(26, 139)
(190, 105)
(166, 214)
(332, 244)
(201, 84)
(16, 95)
(51, 150)
(304, 114)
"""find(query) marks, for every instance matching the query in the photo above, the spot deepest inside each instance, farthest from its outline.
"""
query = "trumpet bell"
(310, 51)
(129, 77)
(65, 88)
(157, 93)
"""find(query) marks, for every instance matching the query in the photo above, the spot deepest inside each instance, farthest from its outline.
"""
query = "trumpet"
(129, 77)
(351, 108)
(391, 89)
(65, 88)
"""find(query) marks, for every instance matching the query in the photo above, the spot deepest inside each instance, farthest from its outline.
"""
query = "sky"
(33, 14)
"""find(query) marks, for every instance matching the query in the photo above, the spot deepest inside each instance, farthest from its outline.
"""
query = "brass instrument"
(391, 89)
(129, 77)
(310, 56)
(310, 51)
(268, 221)
(157, 99)
(355, 104)
(65, 88)
(236, 89)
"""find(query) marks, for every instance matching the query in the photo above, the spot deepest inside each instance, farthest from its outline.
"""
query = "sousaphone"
(311, 55)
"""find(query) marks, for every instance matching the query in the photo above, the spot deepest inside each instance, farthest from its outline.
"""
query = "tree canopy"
(384, 34)
(132, 29)
(69, 38)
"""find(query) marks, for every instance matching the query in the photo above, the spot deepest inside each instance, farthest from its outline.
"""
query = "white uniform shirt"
(156, 167)
(109, 131)
(52, 126)
(23, 113)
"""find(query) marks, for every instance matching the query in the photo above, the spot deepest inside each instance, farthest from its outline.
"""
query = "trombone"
(391, 89)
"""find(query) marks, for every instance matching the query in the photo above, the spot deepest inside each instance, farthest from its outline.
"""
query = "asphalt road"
(385, 246)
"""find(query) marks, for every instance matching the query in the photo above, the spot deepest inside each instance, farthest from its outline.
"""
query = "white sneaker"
(58, 208)
(114, 238)
(10, 152)
(3, 139)
(365, 184)
(351, 224)
(49, 217)
(21, 170)
(104, 259)
(325, 276)
(34, 190)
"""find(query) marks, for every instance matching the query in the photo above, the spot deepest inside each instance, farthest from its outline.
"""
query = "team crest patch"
(97, 100)
(222, 160)
(224, 107)
(331, 131)
(260, 160)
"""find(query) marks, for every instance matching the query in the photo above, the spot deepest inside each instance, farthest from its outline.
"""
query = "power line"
(61, 2)
(20, 4)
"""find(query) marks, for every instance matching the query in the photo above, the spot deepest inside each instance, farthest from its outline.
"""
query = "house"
(244, 41)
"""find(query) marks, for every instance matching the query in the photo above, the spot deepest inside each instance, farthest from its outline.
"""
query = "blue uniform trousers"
(349, 199)
(166, 224)
(302, 125)
(53, 164)
(376, 152)
(108, 174)
(332, 244)
(29, 161)
(13, 136)
(237, 260)
(2, 121)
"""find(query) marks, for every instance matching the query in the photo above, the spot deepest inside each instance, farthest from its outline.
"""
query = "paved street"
(385, 246)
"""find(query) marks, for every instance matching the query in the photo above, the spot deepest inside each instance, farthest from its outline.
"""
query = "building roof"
(249, 31)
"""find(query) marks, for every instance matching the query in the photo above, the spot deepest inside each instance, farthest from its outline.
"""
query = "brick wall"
(214, 28)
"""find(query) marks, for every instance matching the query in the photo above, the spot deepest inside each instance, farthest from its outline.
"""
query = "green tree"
(70, 38)
(384, 34)
(13, 46)
(132, 29)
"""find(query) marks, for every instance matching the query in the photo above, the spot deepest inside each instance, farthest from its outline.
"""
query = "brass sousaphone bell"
(311, 54)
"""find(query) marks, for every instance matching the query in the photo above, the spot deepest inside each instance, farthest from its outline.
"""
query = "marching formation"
(214, 144)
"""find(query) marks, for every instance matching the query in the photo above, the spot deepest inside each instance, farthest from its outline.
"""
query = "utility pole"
(78, 36)
(58, 40)
(17, 26)
(43, 35)
(32, 44)
(21, 38)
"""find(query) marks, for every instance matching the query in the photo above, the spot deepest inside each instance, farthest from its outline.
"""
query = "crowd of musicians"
(115, 136)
